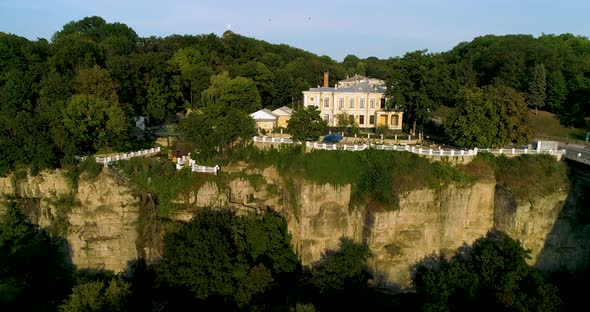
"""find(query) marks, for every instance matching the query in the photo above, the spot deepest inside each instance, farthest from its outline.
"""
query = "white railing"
(184, 160)
(266, 139)
(411, 149)
(106, 160)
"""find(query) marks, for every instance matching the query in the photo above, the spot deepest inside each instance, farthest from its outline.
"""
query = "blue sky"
(335, 28)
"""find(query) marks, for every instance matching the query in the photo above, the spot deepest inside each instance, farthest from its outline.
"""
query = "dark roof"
(361, 87)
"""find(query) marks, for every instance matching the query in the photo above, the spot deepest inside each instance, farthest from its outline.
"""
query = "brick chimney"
(326, 79)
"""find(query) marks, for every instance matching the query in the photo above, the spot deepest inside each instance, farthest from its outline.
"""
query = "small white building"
(265, 119)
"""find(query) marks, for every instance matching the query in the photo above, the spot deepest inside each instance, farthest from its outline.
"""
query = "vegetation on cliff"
(491, 274)
(222, 260)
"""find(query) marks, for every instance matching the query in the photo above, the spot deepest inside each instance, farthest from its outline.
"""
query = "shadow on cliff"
(565, 255)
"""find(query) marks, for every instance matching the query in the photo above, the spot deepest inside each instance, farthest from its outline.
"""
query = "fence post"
(420, 151)
(462, 153)
(382, 137)
(475, 151)
(368, 136)
(430, 151)
(526, 150)
(324, 146)
(501, 150)
(442, 152)
(334, 146)
(452, 152)
(282, 139)
(355, 147)
(394, 136)
(364, 146)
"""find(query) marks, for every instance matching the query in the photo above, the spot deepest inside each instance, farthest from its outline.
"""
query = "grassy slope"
(543, 124)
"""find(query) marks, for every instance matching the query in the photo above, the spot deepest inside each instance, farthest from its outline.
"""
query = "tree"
(418, 84)
(342, 269)
(98, 296)
(537, 87)
(225, 258)
(93, 122)
(556, 91)
(348, 122)
(33, 273)
(239, 93)
(492, 273)
(306, 124)
(491, 116)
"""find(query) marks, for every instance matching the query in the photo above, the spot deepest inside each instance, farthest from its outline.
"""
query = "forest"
(78, 93)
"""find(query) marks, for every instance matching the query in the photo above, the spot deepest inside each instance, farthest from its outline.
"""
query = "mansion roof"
(361, 87)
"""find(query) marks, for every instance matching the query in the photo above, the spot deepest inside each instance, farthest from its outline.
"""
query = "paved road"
(578, 153)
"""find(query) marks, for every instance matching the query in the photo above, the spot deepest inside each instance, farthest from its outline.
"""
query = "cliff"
(107, 228)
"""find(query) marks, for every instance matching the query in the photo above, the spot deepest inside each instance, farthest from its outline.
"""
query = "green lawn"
(544, 125)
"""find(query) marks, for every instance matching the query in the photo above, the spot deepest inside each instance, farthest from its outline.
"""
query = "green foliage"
(306, 124)
(95, 296)
(62, 206)
(218, 254)
(348, 122)
(492, 273)
(377, 177)
(537, 87)
(488, 117)
(93, 122)
(420, 82)
(33, 273)
(160, 178)
(530, 177)
(342, 269)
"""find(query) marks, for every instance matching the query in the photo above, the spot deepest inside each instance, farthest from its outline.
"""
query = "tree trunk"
(413, 132)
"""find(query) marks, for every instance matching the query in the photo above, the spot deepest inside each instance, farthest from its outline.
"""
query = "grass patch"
(375, 176)
(160, 177)
(529, 177)
(63, 206)
(545, 124)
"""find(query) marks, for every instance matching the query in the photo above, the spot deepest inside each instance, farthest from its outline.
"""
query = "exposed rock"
(103, 226)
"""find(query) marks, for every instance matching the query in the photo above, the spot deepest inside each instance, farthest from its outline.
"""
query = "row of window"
(359, 118)
(351, 102)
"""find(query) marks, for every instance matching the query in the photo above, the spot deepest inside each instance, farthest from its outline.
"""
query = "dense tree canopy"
(161, 77)
(488, 117)
(492, 274)
(307, 124)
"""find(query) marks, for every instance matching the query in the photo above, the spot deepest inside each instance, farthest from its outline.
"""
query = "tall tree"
(491, 116)
(537, 87)
(306, 124)
(418, 84)
(556, 91)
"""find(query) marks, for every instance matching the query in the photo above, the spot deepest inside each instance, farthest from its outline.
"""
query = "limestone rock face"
(550, 227)
(103, 226)
(37, 192)
(318, 218)
(428, 221)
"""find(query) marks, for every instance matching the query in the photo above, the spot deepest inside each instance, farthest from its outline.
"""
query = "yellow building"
(359, 96)
(283, 115)
(265, 120)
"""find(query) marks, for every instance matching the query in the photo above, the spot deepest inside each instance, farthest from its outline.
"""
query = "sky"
(363, 28)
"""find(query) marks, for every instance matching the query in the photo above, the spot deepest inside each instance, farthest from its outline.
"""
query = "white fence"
(411, 149)
(182, 161)
(106, 160)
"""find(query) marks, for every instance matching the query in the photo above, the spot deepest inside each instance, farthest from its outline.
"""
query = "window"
(327, 117)
(341, 102)
(394, 120)
(326, 102)
(372, 103)
(351, 102)
(361, 119)
(383, 103)
(362, 103)
(371, 120)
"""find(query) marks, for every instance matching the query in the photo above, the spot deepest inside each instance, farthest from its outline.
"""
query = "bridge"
(578, 158)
